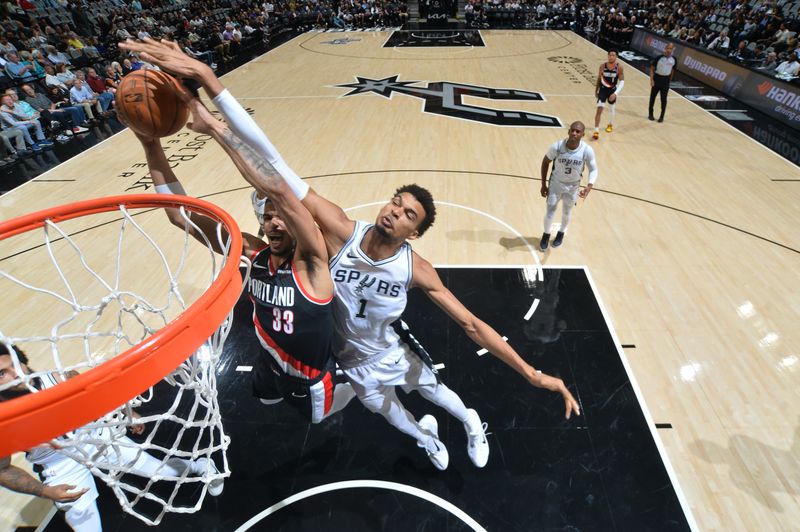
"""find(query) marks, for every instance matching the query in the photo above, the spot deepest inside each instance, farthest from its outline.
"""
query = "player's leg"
(550, 212)
(421, 378)
(382, 399)
(597, 115)
(129, 455)
(612, 108)
(82, 514)
(84, 519)
(568, 199)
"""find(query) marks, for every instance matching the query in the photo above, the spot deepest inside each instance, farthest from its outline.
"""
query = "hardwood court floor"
(692, 244)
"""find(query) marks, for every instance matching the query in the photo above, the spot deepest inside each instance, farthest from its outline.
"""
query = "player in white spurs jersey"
(373, 267)
(569, 157)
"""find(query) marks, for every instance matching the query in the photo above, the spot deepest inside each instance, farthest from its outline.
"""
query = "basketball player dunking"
(610, 81)
(373, 266)
(290, 285)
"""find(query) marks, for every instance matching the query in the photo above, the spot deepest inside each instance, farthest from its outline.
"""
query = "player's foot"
(436, 450)
(660, 119)
(651, 117)
(558, 240)
(477, 446)
(609, 128)
(545, 241)
(595, 135)
(79, 130)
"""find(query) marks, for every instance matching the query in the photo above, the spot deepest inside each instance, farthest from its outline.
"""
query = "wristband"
(173, 187)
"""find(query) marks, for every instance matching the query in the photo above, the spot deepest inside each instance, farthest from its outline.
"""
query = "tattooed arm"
(19, 480)
(256, 170)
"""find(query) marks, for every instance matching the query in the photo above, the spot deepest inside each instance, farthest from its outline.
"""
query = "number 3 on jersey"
(282, 320)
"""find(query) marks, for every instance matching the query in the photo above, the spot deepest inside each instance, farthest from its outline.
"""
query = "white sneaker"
(203, 466)
(436, 450)
(477, 445)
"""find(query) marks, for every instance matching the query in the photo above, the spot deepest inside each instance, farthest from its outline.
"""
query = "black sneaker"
(545, 241)
(651, 117)
(559, 239)
(660, 119)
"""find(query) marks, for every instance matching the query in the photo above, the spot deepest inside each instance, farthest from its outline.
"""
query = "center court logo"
(446, 98)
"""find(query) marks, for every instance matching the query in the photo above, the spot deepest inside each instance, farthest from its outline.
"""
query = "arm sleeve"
(654, 62)
(591, 162)
(552, 151)
(246, 128)
(619, 87)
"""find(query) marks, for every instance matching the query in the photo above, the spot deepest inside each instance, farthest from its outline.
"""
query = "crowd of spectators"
(60, 65)
(760, 34)
(545, 14)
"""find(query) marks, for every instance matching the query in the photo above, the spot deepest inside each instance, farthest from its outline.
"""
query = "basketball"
(150, 103)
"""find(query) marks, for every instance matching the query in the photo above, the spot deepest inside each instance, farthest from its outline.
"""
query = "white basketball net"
(181, 454)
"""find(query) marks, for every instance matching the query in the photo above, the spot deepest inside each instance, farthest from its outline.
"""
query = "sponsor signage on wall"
(771, 96)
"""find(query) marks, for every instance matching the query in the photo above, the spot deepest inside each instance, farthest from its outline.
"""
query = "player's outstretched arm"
(19, 480)
(265, 178)
(425, 277)
(166, 182)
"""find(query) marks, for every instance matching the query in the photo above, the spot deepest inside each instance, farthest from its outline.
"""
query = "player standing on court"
(610, 81)
(569, 156)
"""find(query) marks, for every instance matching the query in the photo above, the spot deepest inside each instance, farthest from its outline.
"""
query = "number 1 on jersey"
(361, 308)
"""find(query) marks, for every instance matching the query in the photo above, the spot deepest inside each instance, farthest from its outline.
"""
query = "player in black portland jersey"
(291, 286)
(610, 80)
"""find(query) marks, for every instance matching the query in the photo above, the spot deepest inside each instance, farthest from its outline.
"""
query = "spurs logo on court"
(446, 98)
(345, 40)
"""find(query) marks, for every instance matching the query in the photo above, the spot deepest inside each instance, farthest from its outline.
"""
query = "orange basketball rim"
(39, 417)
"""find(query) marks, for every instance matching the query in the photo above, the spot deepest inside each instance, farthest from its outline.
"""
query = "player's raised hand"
(63, 492)
(166, 55)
